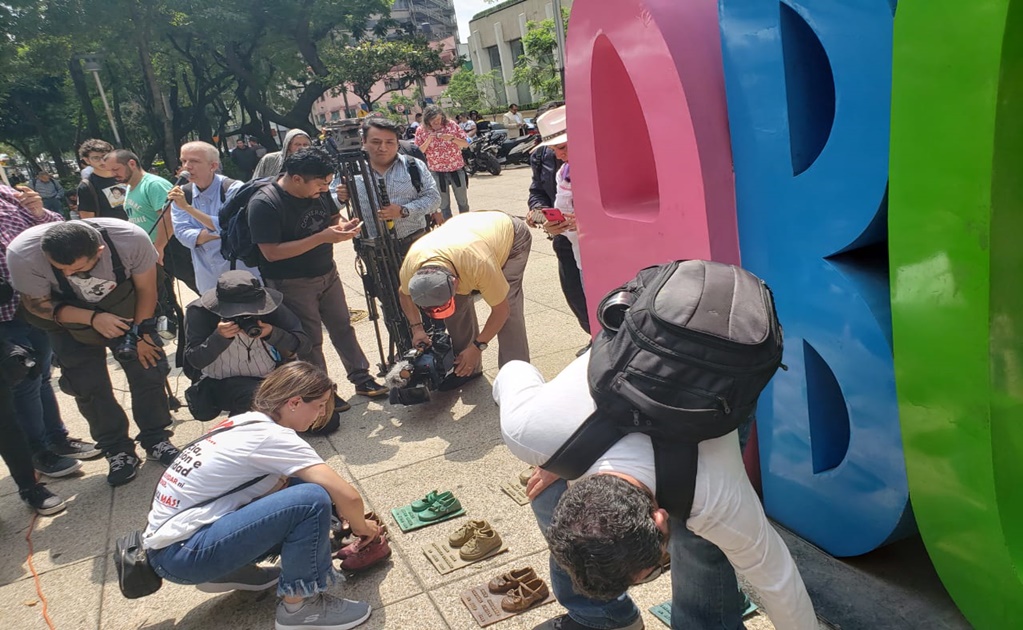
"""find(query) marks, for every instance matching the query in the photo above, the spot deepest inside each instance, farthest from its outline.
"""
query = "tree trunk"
(82, 90)
(170, 149)
(30, 116)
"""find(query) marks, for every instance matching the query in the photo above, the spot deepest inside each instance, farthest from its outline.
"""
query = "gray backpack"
(686, 349)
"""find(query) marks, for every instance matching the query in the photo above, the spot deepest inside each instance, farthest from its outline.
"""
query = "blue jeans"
(704, 591)
(34, 400)
(294, 521)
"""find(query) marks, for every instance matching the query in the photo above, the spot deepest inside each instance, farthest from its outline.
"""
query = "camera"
(421, 371)
(127, 346)
(249, 325)
(16, 363)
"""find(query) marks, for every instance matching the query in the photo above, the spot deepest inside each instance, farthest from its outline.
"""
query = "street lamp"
(92, 65)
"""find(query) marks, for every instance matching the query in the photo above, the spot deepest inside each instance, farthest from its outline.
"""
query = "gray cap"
(431, 287)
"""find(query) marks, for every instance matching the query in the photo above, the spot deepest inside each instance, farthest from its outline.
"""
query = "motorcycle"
(510, 150)
(481, 155)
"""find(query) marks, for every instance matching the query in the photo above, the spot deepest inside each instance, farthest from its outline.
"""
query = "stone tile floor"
(393, 455)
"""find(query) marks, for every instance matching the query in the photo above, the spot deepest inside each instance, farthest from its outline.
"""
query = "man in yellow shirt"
(478, 251)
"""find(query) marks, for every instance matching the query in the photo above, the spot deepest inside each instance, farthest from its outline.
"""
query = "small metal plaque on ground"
(663, 611)
(486, 606)
(445, 559)
(408, 520)
(515, 490)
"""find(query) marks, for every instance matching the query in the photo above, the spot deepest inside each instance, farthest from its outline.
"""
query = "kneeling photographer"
(236, 334)
(92, 285)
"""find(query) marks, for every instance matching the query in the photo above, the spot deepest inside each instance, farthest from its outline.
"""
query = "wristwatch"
(480, 345)
(404, 212)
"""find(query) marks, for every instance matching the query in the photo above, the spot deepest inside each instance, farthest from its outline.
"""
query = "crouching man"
(479, 251)
(236, 334)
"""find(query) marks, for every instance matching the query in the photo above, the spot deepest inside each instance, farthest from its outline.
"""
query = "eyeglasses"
(657, 572)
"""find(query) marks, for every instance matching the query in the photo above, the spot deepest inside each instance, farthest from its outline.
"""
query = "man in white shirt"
(196, 211)
(538, 417)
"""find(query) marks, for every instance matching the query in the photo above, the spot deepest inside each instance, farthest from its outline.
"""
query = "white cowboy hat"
(552, 127)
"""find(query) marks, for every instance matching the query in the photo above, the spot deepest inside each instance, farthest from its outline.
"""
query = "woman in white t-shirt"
(255, 512)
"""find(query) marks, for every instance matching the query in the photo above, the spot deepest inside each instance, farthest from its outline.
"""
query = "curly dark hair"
(309, 163)
(94, 145)
(602, 534)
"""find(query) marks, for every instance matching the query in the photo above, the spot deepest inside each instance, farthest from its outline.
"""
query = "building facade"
(433, 18)
(495, 42)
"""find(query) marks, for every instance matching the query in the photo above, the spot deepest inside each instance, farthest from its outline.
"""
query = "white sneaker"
(323, 612)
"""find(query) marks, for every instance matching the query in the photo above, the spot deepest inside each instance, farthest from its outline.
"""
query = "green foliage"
(474, 91)
(538, 65)
(363, 65)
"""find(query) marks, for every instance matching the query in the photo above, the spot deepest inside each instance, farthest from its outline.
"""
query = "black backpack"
(235, 238)
(686, 349)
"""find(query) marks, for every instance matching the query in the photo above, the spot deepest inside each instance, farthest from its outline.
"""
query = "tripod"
(379, 257)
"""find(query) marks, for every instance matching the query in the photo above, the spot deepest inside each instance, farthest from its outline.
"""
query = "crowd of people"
(252, 344)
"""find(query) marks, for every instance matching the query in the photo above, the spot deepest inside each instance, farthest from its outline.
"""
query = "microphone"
(183, 178)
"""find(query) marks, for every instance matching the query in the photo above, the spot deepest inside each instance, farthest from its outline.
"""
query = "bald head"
(201, 160)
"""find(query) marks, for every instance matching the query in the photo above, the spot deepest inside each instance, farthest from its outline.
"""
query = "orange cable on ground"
(35, 576)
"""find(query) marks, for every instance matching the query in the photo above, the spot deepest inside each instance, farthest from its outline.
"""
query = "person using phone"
(295, 223)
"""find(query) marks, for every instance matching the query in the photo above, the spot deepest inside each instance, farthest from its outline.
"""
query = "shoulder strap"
(120, 275)
(594, 436)
(413, 172)
(224, 186)
(237, 488)
(187, 189)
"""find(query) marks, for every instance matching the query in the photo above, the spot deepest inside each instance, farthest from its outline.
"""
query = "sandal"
(432, 497)
(512, 579)
(526, 595)
(440, 508)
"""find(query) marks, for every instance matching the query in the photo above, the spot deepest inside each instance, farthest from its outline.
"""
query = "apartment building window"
(495, 64)
(443, 79)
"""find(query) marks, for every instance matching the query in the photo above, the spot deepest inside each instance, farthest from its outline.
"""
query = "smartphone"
(553, 215)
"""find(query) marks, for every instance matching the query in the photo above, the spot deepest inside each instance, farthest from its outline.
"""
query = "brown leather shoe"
(525, 595)
(465, 532)
(507, 581)
(483, 541)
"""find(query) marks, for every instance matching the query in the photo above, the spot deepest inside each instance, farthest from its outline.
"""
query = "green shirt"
(144, 202)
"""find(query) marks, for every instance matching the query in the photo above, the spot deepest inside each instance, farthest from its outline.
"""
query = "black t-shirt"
(291, 219)
(245, 158)
(107, 193)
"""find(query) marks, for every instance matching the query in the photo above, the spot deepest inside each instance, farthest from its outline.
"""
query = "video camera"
(421, 371)
(127, 346)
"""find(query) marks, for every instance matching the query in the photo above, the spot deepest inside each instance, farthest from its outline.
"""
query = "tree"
(474, 91)
(537, 67)
(400, 63)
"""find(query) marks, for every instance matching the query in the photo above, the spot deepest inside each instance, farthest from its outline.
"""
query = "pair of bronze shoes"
(474, 540)
(522, 588)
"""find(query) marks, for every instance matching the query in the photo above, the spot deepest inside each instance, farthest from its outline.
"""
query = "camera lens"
(612, 310)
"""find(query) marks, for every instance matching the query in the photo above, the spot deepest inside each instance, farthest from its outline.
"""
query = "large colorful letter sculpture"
(957, 295)
(808, 87)
(649, 137)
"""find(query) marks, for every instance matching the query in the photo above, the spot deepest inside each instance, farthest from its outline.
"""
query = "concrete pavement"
(393, 455)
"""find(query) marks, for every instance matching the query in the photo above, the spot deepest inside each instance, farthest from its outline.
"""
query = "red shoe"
(359, 559)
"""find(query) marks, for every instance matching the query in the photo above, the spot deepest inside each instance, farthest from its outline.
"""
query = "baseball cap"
(433, 290)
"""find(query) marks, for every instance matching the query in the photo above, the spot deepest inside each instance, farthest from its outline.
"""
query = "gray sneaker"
(323, 612)
(248, 578)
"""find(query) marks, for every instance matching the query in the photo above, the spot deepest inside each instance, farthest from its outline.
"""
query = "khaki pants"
(463, 325)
